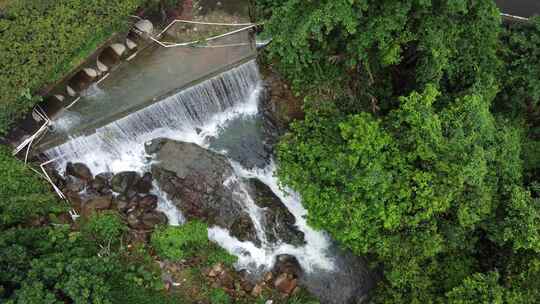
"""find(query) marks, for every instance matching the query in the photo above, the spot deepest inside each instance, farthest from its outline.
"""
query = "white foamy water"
(195, 115)
(314, 255)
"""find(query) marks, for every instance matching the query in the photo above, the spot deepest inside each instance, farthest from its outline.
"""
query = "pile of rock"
(126, 192)
(280, 283)
(283, 279)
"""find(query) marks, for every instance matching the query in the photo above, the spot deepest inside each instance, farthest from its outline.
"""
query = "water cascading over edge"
(198, 115)
(190, 115)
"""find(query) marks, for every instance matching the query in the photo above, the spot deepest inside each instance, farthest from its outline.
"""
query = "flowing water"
(221, 114)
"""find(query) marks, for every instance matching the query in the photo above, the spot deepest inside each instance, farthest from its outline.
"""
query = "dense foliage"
(42, 40)
(402, 156)
(188, 241)
(45, 261)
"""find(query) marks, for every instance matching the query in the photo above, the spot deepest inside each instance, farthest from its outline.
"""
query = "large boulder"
(97, 204)
(124, 181)
(144, 185)
(79, 170)
(201, 184)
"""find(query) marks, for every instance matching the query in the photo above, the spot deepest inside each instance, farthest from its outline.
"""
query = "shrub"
(219, 296)
(23, 195)
(181, 242)
(104, 228)
(189, 240)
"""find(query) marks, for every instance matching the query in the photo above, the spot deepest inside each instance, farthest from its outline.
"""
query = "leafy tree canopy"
(402, 156)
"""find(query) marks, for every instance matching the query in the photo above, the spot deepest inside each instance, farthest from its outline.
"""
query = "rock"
(70, 91)
(148, 202)
(145, 26)
(153, 146)
(130, 44)
(59, 97)
(99, 184)
(106, 176)
(154, 218)
(97, 204)
(268, 277)
(74, 184)
(216, 270)
(276, 215)
(57, 179)
(102, 183)
(257, 290)
(102, 67)
(242, 229)
(121, 205)
(74, 199)
(133, 206)
(288, 264)
(134, 221)
(285, 283)
(118, 48)
(226, 280)
(123, 181)
(90, 72)
(246, 286)
(132, 195)
(144, 185)
(202, 184)
(279, 105)
(79, 170)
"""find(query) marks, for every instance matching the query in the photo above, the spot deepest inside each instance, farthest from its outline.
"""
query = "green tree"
(383, 49)
(430, 184)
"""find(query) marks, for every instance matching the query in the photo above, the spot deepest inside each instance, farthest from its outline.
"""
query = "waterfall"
(199, 115)
(191, 115)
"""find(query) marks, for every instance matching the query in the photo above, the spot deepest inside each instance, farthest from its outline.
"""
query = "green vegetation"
(419, 141)
(188, 241)
(176, 243)
(219, 296)
(46, 263)
(42, 40)
(103, 228)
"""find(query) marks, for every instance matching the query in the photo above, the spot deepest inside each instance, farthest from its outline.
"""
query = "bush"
(181, 242)
(219, 296)
(23, 195)
(189, 240)
(42, 40)
(104, 228)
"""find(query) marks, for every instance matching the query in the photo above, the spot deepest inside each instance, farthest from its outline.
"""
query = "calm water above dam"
(154, 73)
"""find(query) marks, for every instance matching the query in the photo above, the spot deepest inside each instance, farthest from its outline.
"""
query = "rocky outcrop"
(202, 184)
(196, 181)
(278, 220)
(279, 105)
